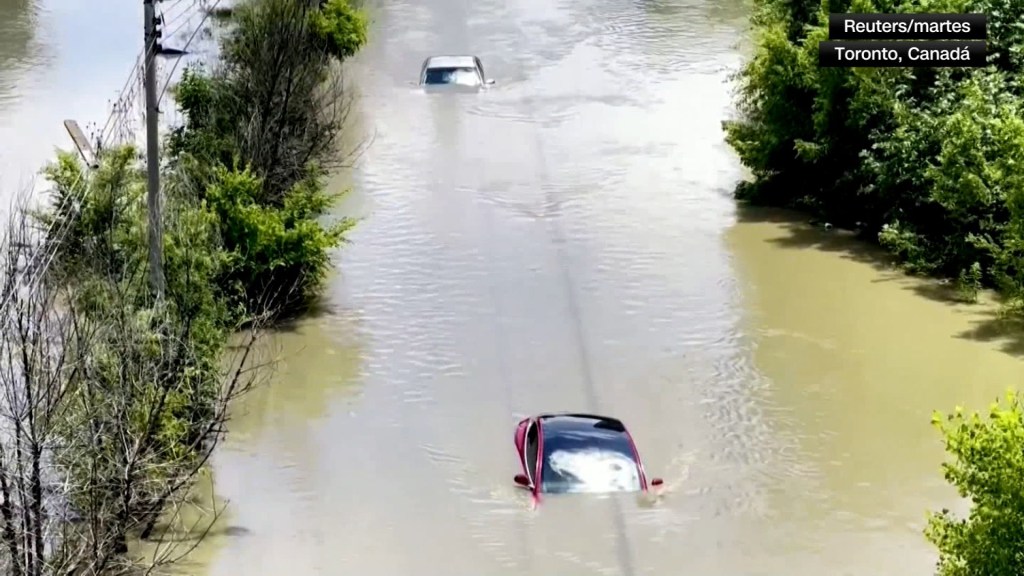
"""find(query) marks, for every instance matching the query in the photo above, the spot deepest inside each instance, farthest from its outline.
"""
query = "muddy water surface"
(567, 241)
(60, 59)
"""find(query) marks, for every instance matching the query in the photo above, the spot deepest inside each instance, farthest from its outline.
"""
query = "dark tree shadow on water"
(293, 321)
(995, 327)
(804, 233)
(992, 325)
(197, 535)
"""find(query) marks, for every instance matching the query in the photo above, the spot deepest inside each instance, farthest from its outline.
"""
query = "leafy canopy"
(260, 137)
(988, 468)
(926, 161)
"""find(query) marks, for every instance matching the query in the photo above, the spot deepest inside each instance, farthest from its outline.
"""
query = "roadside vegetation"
(928, 163)
(261, 136)
(112, 399)
(987, 467)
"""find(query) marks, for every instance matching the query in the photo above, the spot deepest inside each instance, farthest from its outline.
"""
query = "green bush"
(260, 135)
(929, 160)
(988, 468)
(278, 255)
(341, 27)
(152, 369)
(143, 392)
(98, 235)
(90, 219)
(276, 102)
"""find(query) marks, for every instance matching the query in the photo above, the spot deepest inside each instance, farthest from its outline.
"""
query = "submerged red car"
(566, 452)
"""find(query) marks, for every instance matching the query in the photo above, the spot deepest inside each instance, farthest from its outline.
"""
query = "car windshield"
(593, 459)
(460, 76)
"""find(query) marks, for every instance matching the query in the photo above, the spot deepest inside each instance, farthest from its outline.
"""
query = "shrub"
(928, 159)
(988, 468)
(341, 27)
(261, 134)
(145, 402)
(278, 255)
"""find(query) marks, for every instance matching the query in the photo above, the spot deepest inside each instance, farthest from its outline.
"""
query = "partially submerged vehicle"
(457, 71)
(568, 453)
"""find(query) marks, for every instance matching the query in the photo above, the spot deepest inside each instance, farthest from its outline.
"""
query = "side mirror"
(522, 480)
(490, 81)
(657, 482)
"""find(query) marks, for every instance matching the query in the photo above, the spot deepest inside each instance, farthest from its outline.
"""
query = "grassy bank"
(116, 397)
(926, 162)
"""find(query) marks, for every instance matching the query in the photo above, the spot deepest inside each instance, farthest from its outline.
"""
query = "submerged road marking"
(623, 549)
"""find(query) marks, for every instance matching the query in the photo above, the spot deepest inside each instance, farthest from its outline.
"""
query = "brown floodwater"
(567, 240)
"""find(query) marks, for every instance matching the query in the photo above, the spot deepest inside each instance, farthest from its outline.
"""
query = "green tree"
(925, 161)
(276, 103)
(260, 136)
(114, 401)
(341, 27)
(988, 468)
(275, 256)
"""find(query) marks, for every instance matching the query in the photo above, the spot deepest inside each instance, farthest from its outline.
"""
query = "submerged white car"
(458, 71)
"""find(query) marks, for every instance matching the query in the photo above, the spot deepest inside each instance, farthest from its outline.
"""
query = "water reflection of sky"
(68, 59)
(591, 470)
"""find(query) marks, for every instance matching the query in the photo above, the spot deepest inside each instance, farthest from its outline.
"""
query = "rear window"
(590, 460)
(460, 76)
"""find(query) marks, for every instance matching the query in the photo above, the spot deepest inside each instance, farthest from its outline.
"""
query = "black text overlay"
(907, 26)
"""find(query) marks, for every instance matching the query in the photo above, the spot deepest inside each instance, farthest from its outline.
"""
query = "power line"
(50, 248)
(170, 76)
(184, 21)
(121, 103)
(168, 10)
(175, 5)
(118, 113)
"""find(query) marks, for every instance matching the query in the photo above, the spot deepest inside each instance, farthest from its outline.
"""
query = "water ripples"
(553, 243)
(662, 37)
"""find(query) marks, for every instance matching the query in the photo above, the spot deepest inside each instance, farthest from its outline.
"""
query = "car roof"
(450, 62)
(567, 422)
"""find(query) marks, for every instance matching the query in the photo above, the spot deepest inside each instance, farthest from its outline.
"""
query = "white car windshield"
(458, 76)
(590, 470)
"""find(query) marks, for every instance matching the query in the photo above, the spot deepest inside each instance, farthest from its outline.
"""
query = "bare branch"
(108, 413)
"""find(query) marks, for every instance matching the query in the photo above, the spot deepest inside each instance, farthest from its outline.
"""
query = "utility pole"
(156, 228)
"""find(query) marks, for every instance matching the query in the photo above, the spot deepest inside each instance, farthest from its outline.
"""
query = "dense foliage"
(276, 255)
(103, 247)
(112, 400)
(261, 134)
(926, 161)
(126, 392)
(987, 468)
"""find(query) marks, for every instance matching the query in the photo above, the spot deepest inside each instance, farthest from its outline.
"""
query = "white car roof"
(451, 62)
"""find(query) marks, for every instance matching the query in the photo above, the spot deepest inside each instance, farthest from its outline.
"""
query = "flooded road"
(568, 241)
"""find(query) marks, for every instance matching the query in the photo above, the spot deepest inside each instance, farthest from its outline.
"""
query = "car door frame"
(423, 71)
(480, 70)
(534, 474)
(522, 441)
